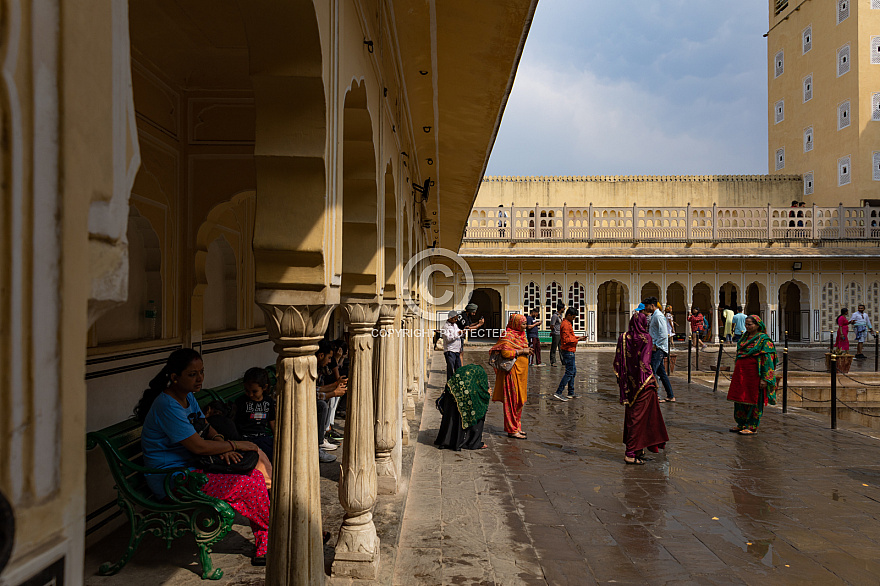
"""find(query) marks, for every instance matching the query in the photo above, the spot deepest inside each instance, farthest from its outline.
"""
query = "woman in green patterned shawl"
(464, 403)
(753, 383)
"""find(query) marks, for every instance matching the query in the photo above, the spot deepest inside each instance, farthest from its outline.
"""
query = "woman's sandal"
(483, 447)
(517, 435)
(747, 432)
(634, 461)
(735, 429)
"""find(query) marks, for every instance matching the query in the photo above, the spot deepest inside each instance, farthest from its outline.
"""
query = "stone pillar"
(387, 400)
(412, 360)
(357, 548)
(403, 383)
(715, 322)
(296, 551)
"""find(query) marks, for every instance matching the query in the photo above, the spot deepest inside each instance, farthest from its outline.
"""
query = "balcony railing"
(680, 224)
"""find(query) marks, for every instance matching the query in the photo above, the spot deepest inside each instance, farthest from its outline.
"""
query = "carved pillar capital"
(388, 312)
(296, 329)
(361, 316)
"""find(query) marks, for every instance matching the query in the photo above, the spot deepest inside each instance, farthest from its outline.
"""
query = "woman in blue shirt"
(170, 438)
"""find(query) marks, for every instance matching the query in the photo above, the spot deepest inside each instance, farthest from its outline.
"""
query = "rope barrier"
(839, 374)
(848, 406)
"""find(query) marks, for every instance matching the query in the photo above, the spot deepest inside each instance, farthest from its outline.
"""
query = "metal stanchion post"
(785, 380)
(718, 364)
(833, 391)
(877, 352)
(690, 341)
(697, 352)
(786, 339)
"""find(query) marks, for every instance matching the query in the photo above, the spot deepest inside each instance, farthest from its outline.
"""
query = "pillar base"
(386, 477)
(404, 431)
(410, 405)
(359, 558)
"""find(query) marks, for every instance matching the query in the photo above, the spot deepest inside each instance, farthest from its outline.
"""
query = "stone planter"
(844, 361)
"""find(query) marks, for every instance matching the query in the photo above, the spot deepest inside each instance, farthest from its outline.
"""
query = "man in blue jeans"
(568, 346)
(658, 328)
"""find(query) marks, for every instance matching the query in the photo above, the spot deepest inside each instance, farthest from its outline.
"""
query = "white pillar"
(296, 553)
(357, 548)
(387, 400)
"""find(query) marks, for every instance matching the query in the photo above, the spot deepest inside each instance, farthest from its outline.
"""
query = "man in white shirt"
(451, 335)
(862, 325)
(658, 329)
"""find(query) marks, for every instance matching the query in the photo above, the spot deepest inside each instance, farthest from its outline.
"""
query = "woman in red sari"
(753, 383)
(643, 425)
(511, 387)
(843, 322)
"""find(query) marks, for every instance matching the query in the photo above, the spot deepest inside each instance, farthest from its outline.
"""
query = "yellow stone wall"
(862, 137)
(661, 190)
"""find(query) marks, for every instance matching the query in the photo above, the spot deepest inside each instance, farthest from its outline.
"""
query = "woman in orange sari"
(511, 387)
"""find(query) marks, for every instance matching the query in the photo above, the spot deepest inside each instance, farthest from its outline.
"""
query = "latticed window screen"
(531, 297)
(830, 306)
(875, 161)
(808, 139)
(780, 6)
(577, 299)
(872, 302)
(843, 115)
(554, 296)
(808, 88)
(852, 296)
(875, 4)
(843, 60)
(807, 38)
(875, 50)
(844, 170)
(779, 63)
(780, 159)
(842, 10)
(779, 110)
(808, 183)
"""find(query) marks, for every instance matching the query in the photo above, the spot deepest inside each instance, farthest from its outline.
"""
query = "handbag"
(498, 362)
(216, 464)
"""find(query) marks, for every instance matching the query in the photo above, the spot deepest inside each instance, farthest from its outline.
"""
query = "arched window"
(578, 299)
(221, 293)
(554, 296)
(531, 297)
(830, 306)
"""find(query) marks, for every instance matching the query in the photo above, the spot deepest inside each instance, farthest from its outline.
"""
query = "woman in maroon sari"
(643, 426)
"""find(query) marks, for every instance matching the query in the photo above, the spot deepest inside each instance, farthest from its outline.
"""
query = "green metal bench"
(186, 509)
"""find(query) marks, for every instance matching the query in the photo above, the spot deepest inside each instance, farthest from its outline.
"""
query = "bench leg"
(209, 572)
(134, 540)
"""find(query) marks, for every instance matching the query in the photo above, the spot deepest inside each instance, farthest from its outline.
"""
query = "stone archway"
(613, 310)
(650, 289)
(794, 311)
(488, 302)
(676, 297)
(701, 298)
(756, 300)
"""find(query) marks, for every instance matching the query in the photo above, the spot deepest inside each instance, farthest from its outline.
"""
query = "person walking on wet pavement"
(739, 323)
(843, 323)
(753, 383)
(660, 350)
(696, 320)
(643, 425)
(533, 322)
(568, 346)
(862, 325)
(451, 335)
(512, 374)
(555, 333)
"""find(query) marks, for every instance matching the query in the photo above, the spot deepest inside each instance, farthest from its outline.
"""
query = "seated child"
(255, 411)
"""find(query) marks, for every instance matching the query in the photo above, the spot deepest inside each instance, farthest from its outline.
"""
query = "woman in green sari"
(464, 403)
(753, 383)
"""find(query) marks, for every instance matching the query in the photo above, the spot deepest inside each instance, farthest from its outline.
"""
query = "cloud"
(658, 93)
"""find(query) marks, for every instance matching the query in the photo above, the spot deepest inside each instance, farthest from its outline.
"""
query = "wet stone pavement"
(797, 503)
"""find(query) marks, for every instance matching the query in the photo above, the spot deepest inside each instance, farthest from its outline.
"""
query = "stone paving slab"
(798, 503)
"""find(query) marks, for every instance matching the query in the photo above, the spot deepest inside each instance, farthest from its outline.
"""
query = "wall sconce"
(369, 45)
(422, 190)
(430, 161)
(797, 266)
(423, 72)
(426, 129)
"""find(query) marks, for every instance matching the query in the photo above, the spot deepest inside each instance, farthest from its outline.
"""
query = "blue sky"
(639, 87)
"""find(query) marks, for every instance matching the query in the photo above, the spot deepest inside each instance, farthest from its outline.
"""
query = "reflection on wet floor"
(797, 503)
